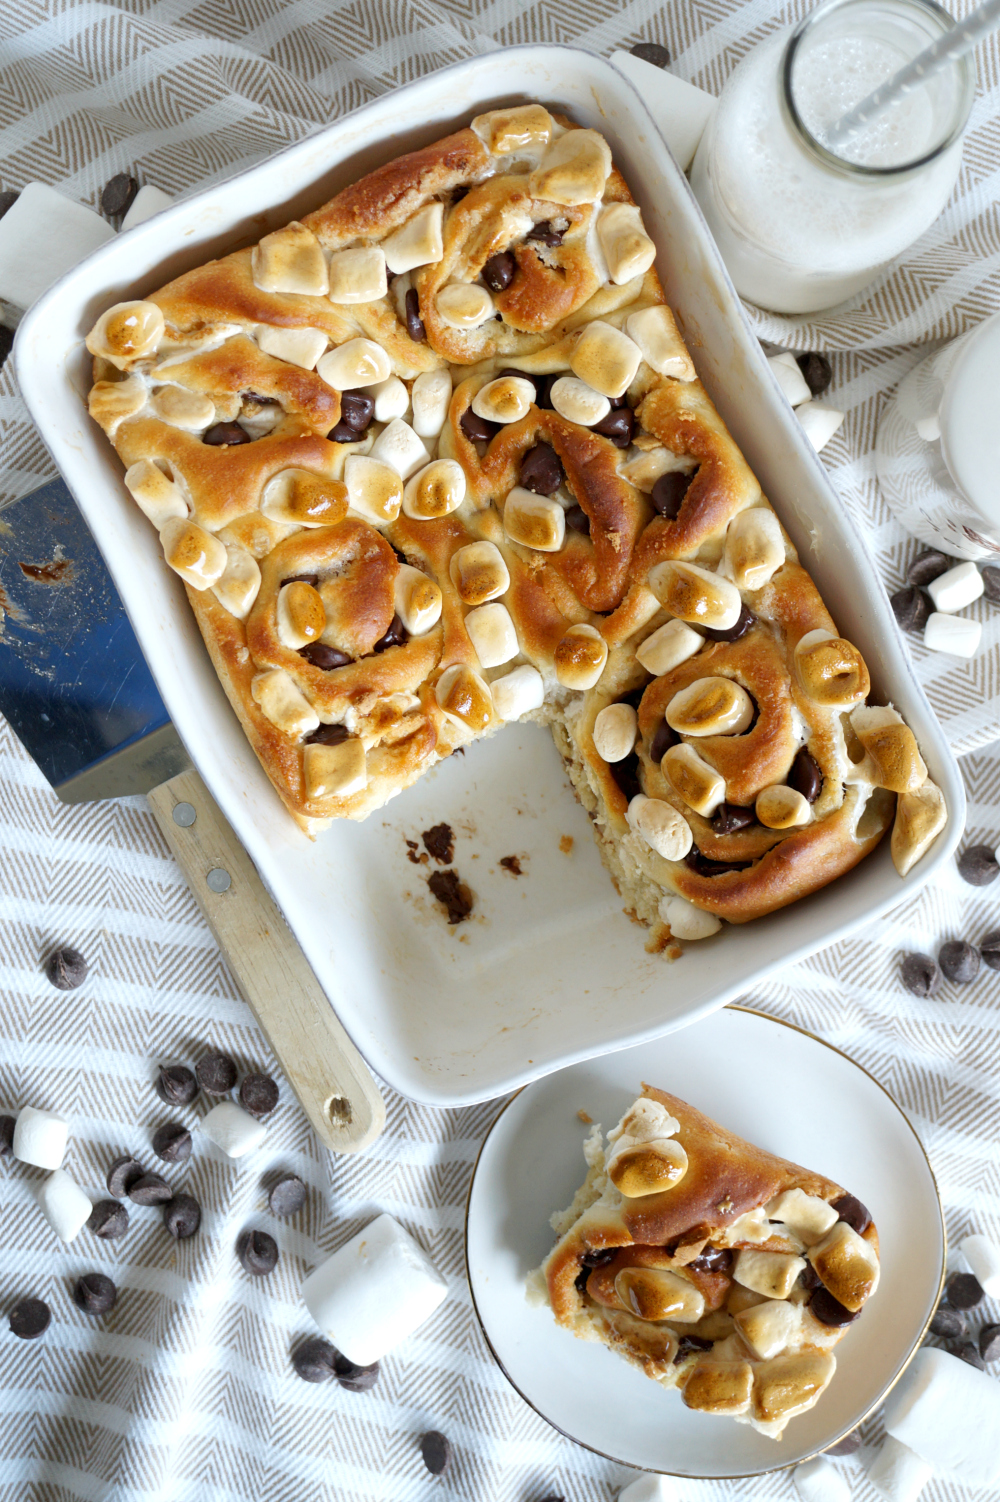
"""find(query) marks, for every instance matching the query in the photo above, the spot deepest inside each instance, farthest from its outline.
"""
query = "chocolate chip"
(29, 1319)
(851, 1210)
(817, 371)
(520, 375)
(920, 974)
(688, 1343)
(911, 607)
(991, 584)
(66, 969)
(7, 1125)
(541, 470)
(314, 1360)
(714, 1259)
(258, 1095)
(216, 1074)
(599, 1257)
(176, 1085)
(356, 409)
(544, 233)
(978, 866)
(6, 342)
(327, 735)
(805, 776)
(452, 893)
(705, 866)
(669, 491)
(626, 775)
(989, 948)
(989, 1343)
(226, 435)
(436, 1450)
(396, 636)
(414, 323)
(8, 198)
(123, 1173)
(498, 273)
(118, 194)
(849, 1445)
(959, 961)
(477, 429)
(580, 1281)
(109, 1220)
(439, 842)
(652, 52)
(927, 567)
(319, 655)
(664, 738)
(543, 389)
(829, 1311)
(618, 426)
(342, 433)
(95, 1294)
(150, 1190)
(312, 579)
(354, 1378)
(949, 1324)
(258, 1253)
(733, 633)
(968, 1351)
(808, 1278)
(172, 1142)
(577, 520)
(288, 1195)
(182, 1217)
(963, 1291)
(730, 818)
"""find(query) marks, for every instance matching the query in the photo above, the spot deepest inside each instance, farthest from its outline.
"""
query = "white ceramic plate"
(778, 1087)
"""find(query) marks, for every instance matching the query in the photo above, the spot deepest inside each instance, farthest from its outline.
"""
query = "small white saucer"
(778, 1087)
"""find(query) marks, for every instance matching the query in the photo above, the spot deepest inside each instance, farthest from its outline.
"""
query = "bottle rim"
(841, 164)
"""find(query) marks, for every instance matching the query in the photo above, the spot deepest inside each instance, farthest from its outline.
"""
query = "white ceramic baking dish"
(549, 970)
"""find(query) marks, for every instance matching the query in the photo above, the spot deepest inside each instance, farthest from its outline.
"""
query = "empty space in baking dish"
(548, 970)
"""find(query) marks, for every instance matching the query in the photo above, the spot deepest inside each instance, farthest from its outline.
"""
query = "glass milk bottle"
(801, 227)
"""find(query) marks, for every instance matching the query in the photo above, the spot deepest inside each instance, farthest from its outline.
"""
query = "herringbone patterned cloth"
(185, 1394)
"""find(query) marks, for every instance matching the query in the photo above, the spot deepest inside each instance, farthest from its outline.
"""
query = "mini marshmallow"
(126, 332)
(290, 260)
(771, 1327)
(949, 1414)
(782, 807)
(357, 275)
(658, 1293)
(897, 1473)
(373, 487)
(818, 1480)
(417, 600)
(686, 921)
(301, 617)
(615, 730)
(605, 358)
(771, 1273)
(492, 633)
(147, 202)
(643, 467)
(197, 555)
(655, 331)
(507, 399)
(111, 402)
(661, 826)
(578, 402)
(334, 771)
(42, 236)
(695, 594)
(283, 704)
(819, 423)
(418, 242)
(957, 635)
(431, 398)
(789, 376)
(302, 498)
(667, 647)
(693, 779)
(649, 1488)
(580, 657)
(755, 548)
(628, 250)
(479, 573)
(239, 584)
(357, 362)
(231, 1128)
(190, 410)
(573, 170)
(463, 305)
(957, 588)
(518, 693)
(64, 1205)
(435, 491)
(301, 347)
(535, 521)
(983, 1256)
(391, 399)
(155, 495)
(40, 1138)
(710, 706)
(374, 1291)
(399, 446)
(465, 696)
(524, 127)
(806, 1215)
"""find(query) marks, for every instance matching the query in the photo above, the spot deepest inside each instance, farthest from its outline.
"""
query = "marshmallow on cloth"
(374, 1292)
(817, 1480)
(983, 1256)
(233, 1129)
(40, 1136)
(42, 236)
(949, 1414)
(64, 1205)
(649, 1488)
(897, 1473)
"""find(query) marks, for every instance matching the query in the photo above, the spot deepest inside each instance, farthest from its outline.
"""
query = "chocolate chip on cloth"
(978, 866)
(354, 1378)
(989, 1343)
(182, 1216)
(652, 52)
(959, 961)
(95, 1294)
(948, 1324)
(989, 948)
(920, 974)
(287, 1196)
(439, 841)
(258, 1253)
(963, 1291)
(816, 371)
(172, 1142)
(109, 1220)
(927, 567)
(216, 1074)
(991, 584)
(7, 1125)
(912, 608)
(830, 1311)
(968, 1351)
(118, 194)
(176, 1085)
(452, 893)
(315, 1360)
(150, 1189)
(258, 1095)
(29, 1319)
(66, 969)
(122, 1175)
(436, 1450)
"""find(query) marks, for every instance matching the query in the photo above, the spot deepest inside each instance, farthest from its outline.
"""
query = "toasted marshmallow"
(920, 818)
(479, 573)
(644, 466)
(465, 697)
(806, 1215)
(374, 488)
(573, 170)
(189, 410)
(692, 779)
(615, 730)
(431, 398)
(506, 399)
(782, 807)
(399, 446)
(578, 402)
(282, 703)
(418, 242)
(892, 747)
(686, 921)
(535, 521)
(771, 1273)
(195, 554)
(417, 600)
(518, 693)
(721, 1387)
(290, 260)
(518, 129)
(301, 347)
(691, 593)
(357, 362)
(301, 498)
(656, 334)
(301, 616)
(239, 583)
(335, 771)
(391, 399)
(661, 826)
(658, 1293)
(847, 1265)
(357, 275)
(111, 402)
(644, 1120)
(492, 633)
(755, 549)
(667, 647)
(640, 1168)
(580, 657)
(128, 331)
(787, 1385)
(434, 491)
(153, 493)
(464, 305)
(628, 250)
(710, 706)
(771, 1327)
(605, 358)
(830, 671)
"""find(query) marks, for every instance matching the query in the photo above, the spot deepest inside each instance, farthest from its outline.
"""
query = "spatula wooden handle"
(322, 1065)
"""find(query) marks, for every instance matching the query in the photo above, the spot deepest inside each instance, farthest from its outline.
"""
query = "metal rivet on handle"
(219, 879)
(184, 814)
